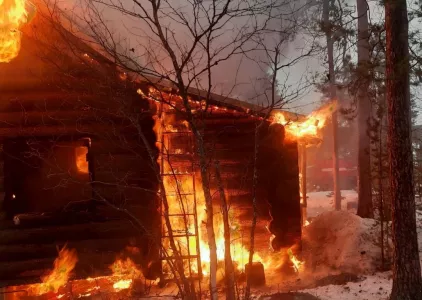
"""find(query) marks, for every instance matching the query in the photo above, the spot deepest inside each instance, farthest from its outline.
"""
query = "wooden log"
(229, 120)
(24, 252)
(62, 117)
(77, 216)
(44, 235)
(89, 263)
(255, 273)
(82, 130)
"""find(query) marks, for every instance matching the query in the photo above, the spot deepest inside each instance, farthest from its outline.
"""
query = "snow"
(375, 287)
(319, 202)
(341, 241)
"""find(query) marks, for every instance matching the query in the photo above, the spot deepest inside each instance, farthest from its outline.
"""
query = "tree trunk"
(303, 184)
(381, 194)
(228, 263)
(210, 214)
(407, 282)
(255, 208)
(330, 51)
(365, 208)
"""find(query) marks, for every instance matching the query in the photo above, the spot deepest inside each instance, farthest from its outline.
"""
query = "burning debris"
(59, 276)
(125, 275)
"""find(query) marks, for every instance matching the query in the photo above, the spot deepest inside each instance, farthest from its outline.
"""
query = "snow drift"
(343, 242)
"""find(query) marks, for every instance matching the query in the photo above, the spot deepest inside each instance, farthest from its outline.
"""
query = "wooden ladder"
(177, 171)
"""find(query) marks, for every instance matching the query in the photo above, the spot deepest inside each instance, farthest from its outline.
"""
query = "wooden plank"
(68, 233)
(75, 130)
(24, 252)
(89, 263)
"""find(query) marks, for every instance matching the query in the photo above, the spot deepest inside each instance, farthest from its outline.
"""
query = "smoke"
(243, 46)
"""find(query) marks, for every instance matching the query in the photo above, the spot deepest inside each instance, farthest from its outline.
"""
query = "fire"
(81, 159)
(122, 284)
(59, 276)
(13, 14)
(124, 272)
(296, 262)
(125, 268)
(179, 193)
(312, 124)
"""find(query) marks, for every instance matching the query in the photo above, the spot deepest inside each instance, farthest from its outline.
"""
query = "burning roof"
(13, 15)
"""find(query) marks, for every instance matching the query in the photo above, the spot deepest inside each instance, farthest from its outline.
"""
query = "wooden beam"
(22, 252)
(75, 129)
(68, 233)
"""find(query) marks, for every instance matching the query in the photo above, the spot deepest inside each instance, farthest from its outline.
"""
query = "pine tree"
(407, 283)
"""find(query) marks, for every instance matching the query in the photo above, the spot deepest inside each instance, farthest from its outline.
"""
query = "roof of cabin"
(46, 44)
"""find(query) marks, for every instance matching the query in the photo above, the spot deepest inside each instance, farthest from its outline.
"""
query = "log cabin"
(79, 159)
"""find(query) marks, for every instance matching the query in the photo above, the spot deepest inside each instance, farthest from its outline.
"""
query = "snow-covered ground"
(319, 202)
(374, 287)
(344, 242)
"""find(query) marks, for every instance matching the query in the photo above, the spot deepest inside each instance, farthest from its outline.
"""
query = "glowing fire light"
(306, 223)
(13, 14)
(81, 159)
(124, 271)
(296, 263)
(125, 268)
(59, 276)
(179, 203)
(122, 284)
(312, 123)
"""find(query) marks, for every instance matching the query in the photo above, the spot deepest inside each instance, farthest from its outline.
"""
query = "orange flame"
(13, 14)
(81, 159)
(125, 271)
(296, 262)
(59, 276)
(312, 124)
(122, 284)
(177, 188)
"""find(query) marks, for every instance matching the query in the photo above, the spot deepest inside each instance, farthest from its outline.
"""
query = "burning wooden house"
(85, 147)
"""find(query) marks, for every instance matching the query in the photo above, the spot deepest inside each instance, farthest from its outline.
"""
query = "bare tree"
(407, 282)
(327, 29)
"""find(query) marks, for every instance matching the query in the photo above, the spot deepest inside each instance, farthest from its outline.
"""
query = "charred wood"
(68, 233)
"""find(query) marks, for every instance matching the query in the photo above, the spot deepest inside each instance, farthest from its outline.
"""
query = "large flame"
(125, 272)
(311, 126)
(59, 276)
(179, 190)
(13, 14)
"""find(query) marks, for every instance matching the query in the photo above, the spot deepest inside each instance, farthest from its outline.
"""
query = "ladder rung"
(182, 257)
(175, 132)
(180, 194)
(179, 235)
(181, 215)
(176, 174)
(189, 155)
